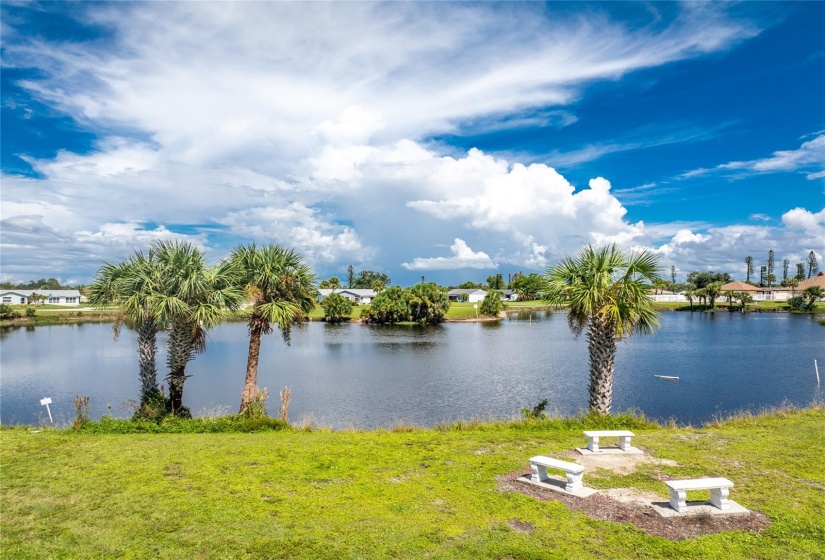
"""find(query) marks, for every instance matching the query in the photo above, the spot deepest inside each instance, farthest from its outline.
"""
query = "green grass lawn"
(389, 494)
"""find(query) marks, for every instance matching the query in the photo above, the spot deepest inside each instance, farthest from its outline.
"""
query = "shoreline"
(90, 315)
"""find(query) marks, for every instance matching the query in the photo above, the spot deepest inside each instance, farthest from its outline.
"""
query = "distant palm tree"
(607, 294)
(280, 288)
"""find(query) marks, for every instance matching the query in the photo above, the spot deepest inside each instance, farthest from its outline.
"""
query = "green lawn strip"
(385, 494)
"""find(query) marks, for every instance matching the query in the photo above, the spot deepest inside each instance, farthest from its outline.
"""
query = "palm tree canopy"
(606, 284)
(191, 291)
(276, 280)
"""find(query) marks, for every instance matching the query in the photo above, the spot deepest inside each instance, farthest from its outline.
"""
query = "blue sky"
(445, 140)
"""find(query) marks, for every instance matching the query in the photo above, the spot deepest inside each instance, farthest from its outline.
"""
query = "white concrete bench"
(594, 435)
(718, 491)
(574, 472)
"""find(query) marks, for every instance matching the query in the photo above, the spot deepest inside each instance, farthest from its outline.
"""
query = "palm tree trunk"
(250, 385)
(180, 352)
(147, 349)
(601, 344)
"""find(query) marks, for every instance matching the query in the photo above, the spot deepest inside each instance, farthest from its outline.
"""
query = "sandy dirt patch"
(627, 505)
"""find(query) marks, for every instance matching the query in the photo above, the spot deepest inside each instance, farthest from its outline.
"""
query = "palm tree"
(191, 300)
(745, 298)
(606, 294)
(130, 285)
(280, 288)
(813, 293)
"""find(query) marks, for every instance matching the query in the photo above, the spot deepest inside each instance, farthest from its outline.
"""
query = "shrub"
(337, 308)
(257, 408)
(423, 303)
(536, 413)
(390, 306)
(492, 304)
(7, 312)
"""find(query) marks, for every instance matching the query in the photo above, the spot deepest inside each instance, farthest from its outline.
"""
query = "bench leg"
(593, 443)
(624, 443)
(719, 498)
(678, 500)
(539, 473)
(574, 481)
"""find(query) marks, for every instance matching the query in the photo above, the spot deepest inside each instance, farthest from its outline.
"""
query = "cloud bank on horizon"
(448, 138)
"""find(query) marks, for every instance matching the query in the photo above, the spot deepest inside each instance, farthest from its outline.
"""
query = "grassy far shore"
(459, 311)
(406, 493)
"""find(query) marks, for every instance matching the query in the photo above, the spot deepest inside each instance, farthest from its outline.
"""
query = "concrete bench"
(594, 435)
(718, 491)
(574, 472)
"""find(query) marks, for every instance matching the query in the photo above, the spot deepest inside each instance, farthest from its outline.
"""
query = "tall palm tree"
(280, 289)
(606, 294)
(191, 300)
(130, 285)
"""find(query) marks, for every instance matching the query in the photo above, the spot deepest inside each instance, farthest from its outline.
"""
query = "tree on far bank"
(813, 293)
(495, 282)
(469, 285)
(367, 279)
(605, 292)
(813, 266)
(337, 308)
(332, 283)
(281, 290)
(529, 287)
(390, 306)
(744, 298)
(427, 302)
(702, 279)
(492, 305)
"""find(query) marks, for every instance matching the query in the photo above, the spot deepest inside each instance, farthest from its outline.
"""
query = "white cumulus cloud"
(463, 257)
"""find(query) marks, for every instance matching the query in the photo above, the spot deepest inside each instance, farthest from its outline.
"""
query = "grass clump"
(176, 425)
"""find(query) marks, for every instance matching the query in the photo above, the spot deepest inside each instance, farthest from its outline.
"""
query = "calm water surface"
(369, 376)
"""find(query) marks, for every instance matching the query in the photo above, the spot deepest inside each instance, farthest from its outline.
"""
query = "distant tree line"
(42, 284)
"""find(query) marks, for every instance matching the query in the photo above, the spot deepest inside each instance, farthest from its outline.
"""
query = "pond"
(364, 376)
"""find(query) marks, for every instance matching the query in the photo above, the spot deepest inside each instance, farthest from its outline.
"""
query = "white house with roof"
(473, 295)
(52, 297)
(476, 295)
(358, 296)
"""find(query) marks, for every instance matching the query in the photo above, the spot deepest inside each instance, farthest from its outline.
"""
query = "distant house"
(473, 295)
(359, 296)
(53, 297)
(509, 295)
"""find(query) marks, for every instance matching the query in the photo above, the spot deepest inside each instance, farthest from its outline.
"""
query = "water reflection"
(371, 375)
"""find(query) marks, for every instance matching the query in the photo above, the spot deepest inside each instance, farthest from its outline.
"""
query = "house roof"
(360, 292)
(818, 280)
(738, 286)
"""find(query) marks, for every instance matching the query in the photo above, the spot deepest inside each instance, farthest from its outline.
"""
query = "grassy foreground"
(389, 494)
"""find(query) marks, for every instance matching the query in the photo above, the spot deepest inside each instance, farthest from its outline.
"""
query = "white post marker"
(46, 402)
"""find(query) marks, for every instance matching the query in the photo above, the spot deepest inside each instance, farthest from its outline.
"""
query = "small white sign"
(46, 401)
